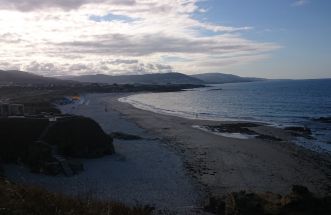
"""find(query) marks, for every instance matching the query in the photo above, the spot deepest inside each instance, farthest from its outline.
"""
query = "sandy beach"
(223, 164)
(176, 165)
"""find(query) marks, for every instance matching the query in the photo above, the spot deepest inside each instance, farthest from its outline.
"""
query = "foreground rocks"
(299, 201)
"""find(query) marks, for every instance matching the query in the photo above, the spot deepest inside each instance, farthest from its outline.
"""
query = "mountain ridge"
(221, 78)
(155, 78)
(15, 77)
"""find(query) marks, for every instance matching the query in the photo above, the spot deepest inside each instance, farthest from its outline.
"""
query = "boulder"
(124, 136)
(79, 137)
(323, 119)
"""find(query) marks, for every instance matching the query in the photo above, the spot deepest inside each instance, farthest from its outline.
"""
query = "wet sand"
(223, 164)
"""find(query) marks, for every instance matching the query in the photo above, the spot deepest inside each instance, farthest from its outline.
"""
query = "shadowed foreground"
(16, 199)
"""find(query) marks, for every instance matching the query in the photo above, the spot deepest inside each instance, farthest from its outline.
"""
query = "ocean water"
(280, 103)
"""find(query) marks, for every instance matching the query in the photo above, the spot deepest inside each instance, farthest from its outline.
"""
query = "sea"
(280, 103)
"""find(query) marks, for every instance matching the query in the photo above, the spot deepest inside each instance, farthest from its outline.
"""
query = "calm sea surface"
(281, 103)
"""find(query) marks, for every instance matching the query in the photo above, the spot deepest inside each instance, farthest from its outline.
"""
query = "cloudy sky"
(274, 38)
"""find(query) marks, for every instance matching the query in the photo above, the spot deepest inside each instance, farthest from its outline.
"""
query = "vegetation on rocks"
(300, 201)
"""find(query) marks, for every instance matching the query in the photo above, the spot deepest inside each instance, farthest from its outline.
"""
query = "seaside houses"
(7, 110)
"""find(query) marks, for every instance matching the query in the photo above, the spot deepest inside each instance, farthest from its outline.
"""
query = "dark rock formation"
(234, 128)
(323, 119)
(124, 136)
(17, 135)
(45, 147)
(1, 169)
(79, 137)
(299, 131)
(304, 130)
(299, 201)
(268, 137)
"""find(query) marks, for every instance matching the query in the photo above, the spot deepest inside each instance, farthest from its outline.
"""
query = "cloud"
(299, 3)
(31, 5)
(58, 37)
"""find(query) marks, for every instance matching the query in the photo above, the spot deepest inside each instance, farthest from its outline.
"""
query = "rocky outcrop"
(1, 169)
(18, 135)
(299, 131)
(299, 201)
(79, 137)
(47, 147)
(124, 136)
(323, 119)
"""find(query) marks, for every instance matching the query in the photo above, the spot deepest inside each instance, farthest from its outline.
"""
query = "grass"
(25, 200)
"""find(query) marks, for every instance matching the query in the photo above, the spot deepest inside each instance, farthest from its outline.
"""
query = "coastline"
(177, 166)
(222, 164)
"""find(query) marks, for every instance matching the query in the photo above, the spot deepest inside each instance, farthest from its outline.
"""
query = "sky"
(261, 38)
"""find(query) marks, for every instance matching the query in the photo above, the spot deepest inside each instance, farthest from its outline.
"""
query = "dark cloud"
(30, 5)
(122, 61)
(155, 43)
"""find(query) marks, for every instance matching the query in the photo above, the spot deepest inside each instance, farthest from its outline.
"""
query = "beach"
(223, 164)
(177, 165)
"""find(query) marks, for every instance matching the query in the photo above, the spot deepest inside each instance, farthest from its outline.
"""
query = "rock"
(268, 137)
(302, 130)
(36, 142)
(216, 205)
(244, 203)
(52, 168)
(76, 166)
(124, 136)
(39, 153)
(17, 134)
(234, 128)
(79, 137)
(299, 201)
(323, 119)
(1, 169)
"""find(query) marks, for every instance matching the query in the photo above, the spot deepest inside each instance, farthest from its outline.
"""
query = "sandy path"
(225, 164)
(144, 171)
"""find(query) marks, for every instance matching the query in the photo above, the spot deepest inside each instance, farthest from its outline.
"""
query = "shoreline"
(224, 164)
(309, 141)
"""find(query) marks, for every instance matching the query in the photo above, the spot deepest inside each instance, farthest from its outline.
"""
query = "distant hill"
(14, 77)
(220, 78)
(157, 78)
